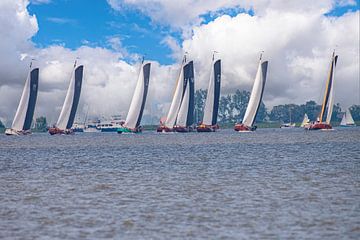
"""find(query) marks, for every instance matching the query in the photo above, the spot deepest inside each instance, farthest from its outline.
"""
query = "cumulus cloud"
(298, 47)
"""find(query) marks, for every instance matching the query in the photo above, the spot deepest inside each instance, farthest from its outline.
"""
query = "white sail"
(20, 115)
(255, 98)
(184, 108)
(331, 97)
(66, 109)
(343, 120)
(209, 103)
(175, 104)
(139, 98)
(305, 121)
(347, 119)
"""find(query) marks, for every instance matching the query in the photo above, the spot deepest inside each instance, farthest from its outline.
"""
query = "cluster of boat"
(180, 117)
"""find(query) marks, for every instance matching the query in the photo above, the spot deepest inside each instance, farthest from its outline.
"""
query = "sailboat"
(185, 116)
(255, 99)
(24, 114)
(306, 121)
(167, 124)
(209, 122)
(347, 120)
(289, 124)
(66, 119)
(328, 102)
(133, 119)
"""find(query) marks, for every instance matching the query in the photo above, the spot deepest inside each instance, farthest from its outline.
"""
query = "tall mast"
(328, 85)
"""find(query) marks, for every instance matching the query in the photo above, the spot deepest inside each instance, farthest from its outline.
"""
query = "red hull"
(319, 126)
(183, 129)
(239, 127)
(164, 129)
(207, 128)
(55, 130)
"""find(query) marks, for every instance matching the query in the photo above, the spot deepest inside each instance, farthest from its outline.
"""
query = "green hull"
(126, 130)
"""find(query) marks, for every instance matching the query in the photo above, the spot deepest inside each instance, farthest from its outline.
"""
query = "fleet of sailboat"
(180, 117)
(323, 121)
(347, 120)
(66, 119)
(257, 92)
(167, 124)
(24, 114)
(133, 119)
(209, 122)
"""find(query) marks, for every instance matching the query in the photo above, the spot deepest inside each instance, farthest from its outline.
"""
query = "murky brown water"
(225, 185)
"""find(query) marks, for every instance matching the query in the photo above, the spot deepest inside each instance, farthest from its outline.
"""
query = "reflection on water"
(273, 183)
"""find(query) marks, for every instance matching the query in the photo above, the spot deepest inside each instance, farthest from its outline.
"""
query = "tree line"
(232, 109)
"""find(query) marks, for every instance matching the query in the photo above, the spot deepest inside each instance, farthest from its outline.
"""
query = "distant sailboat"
(24, 114)
(289, 124)
(306, 121)
(255, 99)
(167, 125)
(328, 101)
(66, 119)
(185, 116)
(347, 120)
(133, 119)
(209, 122)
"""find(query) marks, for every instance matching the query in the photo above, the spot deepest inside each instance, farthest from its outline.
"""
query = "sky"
(110, 37)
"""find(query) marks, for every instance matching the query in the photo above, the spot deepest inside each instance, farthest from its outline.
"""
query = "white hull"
(13, 132)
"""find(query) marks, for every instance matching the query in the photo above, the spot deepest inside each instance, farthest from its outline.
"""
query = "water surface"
(273, 183)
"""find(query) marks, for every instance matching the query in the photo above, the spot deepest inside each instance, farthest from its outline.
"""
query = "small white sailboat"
(305, 122)
(133, 119)
(185, 116)
(255, 99)
(209, 122)
(347, 120)
(24, 114)
(168, 124)
(66, 119)
(328, 101)
(289, 124)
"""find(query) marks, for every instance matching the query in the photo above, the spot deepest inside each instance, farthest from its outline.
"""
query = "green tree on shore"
(40, 124)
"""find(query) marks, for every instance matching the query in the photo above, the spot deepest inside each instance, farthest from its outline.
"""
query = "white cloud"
(297, 45)
(187, 13)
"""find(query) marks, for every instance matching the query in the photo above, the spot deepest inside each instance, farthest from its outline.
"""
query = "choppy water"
(277, 183)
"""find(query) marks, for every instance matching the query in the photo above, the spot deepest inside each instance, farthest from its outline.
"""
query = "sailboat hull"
(182, 129)
(207, 128)
(129, 130)
(244, 128)
(13, 132)
(55, 130)
(164, 129)
(347, 125)
(319, 126)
